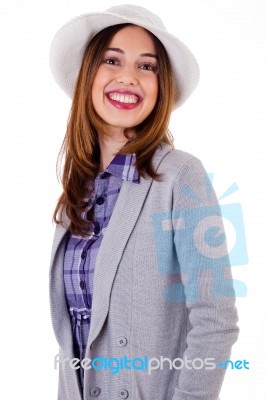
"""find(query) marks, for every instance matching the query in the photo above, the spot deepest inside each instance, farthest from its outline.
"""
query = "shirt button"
(122, 341)
(83, 254)
(123, 393)
(95, 391)
(104, 175)
(100, 200)
(82, 285)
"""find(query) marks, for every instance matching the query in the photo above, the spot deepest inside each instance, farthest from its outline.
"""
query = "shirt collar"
(122, 167)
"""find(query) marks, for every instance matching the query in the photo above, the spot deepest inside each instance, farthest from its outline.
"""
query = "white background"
(223, 124)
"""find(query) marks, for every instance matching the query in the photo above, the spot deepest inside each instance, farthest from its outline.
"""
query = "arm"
(207, 288)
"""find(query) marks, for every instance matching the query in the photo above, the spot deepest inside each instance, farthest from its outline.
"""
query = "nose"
(127, 76)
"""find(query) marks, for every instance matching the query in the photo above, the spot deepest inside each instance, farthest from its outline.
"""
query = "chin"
(118, 125)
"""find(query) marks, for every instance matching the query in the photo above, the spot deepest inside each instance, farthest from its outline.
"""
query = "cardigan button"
(122, 341)
(95, 391)
(123, 393)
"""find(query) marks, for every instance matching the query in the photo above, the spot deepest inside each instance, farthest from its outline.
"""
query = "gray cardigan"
(153, 295)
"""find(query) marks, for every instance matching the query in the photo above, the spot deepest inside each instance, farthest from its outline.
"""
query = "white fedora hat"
(69, 44)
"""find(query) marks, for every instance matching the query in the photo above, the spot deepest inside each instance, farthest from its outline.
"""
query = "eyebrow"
(122, 52)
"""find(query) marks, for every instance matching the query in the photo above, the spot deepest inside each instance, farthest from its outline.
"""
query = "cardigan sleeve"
(207, 286)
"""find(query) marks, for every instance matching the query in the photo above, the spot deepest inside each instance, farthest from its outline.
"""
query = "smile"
(124, 100)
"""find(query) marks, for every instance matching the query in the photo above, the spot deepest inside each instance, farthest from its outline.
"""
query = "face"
(125, 87)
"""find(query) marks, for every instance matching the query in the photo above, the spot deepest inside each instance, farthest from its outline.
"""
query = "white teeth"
(123, 98)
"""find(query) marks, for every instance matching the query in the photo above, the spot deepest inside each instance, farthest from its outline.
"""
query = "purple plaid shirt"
(81, 254)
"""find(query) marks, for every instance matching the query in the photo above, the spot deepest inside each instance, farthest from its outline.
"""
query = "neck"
(109, 144)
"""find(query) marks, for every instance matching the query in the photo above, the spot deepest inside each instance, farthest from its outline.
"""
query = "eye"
(111, 61)
(149, 67)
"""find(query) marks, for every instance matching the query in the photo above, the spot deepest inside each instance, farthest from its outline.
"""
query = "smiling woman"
(107, 71)
(127, 281)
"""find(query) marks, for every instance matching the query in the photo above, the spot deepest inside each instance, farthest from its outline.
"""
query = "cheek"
(153, 90)
(96, 87)
(97, 90)
(99, 81)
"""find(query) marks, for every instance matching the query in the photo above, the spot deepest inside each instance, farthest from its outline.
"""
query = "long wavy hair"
(80, 148)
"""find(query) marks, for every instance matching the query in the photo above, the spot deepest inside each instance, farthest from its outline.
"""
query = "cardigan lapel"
(120, 226)
(123, 219)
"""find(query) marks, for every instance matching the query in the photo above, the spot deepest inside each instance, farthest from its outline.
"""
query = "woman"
(133, 281)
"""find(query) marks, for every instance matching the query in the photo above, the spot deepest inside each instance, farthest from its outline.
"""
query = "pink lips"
(120, 105)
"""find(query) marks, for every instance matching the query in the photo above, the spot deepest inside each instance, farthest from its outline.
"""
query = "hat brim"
(69, 44)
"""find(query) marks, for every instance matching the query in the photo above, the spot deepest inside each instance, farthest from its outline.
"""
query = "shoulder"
(177, 163)
(186, 178)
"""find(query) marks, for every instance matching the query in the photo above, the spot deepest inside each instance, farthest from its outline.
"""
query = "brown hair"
(80, 148)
